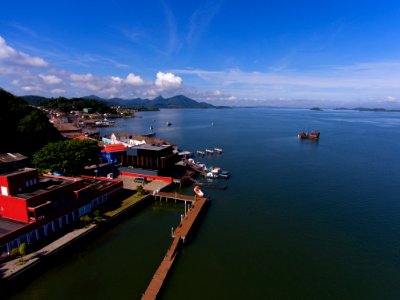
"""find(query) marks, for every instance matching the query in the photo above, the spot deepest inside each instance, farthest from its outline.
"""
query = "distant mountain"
(33, 100)
(179, 101)
(93, 97)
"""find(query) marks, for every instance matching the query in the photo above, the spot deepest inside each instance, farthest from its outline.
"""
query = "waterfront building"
(34, 207)
(150, 156)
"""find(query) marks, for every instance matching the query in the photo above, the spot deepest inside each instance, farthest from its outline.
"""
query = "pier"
(177, 197)
(180, 234)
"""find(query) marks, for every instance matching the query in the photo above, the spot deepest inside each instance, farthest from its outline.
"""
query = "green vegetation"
(23, 129)
(67, 157)
(140, 190)
(97, 217)
(66, 105)
(86, 219)
(21, 251)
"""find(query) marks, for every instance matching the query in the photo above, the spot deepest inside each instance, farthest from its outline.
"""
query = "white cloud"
(31, 88)
(33, 61)
(168, 80)
(58, 91)
(116, 79)
(217, 93)
(81, 77)
(391, 99)
(50, 79)
(150, 93)
(14, 57)
(5, 50)
(373, 80)
(133, 79)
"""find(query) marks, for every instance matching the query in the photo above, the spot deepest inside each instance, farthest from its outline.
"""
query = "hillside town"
(45, 209)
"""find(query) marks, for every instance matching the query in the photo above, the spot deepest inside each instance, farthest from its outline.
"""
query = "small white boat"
(198, 192)
(218, 150)
(211, 175)
(209, 151)
(224, 174)
(200, 152)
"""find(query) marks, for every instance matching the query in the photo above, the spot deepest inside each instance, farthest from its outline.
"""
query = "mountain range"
(179, 101)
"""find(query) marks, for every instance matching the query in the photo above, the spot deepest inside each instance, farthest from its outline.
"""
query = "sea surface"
(299, 220)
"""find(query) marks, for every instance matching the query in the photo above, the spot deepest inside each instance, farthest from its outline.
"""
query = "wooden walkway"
(180, 234)
(177, 197)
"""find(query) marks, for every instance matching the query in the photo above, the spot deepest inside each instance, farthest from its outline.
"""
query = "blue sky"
(290, 53)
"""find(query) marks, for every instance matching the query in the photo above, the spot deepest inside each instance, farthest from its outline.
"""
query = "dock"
(180, 234)
(177, 197)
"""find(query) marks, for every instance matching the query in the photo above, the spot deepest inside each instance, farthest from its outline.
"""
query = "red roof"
(113, 148)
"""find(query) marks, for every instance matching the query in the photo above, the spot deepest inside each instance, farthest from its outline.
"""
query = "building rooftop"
(114, 148)
(11, 157)
(7, 225)
(17, 171)
(45, 185)
(152, 147)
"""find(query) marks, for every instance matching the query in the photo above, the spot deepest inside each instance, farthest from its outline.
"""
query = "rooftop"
(152, 147)
(114, 148)
(45, 185)
(17, 171)
(7, 225)
(11, 157)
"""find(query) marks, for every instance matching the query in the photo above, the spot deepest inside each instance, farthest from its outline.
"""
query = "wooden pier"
(177, 197)
(180, 234)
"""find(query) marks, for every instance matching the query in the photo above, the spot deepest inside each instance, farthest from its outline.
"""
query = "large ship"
(314, 135)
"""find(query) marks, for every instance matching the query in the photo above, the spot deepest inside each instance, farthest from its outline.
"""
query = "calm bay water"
(299, 220)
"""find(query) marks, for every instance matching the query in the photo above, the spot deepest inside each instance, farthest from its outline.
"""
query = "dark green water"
(300, 220)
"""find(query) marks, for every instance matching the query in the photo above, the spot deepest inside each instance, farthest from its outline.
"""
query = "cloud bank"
(22, 73)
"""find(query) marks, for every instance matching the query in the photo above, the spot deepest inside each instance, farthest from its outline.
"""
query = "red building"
(34, 206)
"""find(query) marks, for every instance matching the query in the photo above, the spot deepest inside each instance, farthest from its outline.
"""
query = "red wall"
(13, 208)
(4, 182)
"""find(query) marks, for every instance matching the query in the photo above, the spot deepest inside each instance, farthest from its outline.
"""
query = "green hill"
(23, 129)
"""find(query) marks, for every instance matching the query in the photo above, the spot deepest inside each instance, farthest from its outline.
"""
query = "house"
(34, 207)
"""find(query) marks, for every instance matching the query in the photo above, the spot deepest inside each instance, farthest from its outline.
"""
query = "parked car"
(140, 180)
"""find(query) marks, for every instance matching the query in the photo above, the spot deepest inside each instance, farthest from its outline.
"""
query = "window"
(4, 191)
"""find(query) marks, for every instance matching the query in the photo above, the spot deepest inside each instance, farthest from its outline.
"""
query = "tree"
(66, 157)
(22, 251)
(97, 217)
(140, 190)
(23, 129)
(86, 219)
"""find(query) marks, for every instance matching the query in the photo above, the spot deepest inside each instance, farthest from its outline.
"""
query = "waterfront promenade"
(180, 235)
(13, 268)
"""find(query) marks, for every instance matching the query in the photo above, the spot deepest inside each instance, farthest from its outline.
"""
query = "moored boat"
(224, 174)
(314, 135)
(209, 151)
(212, 175)
(200, 152)
(198, 192)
